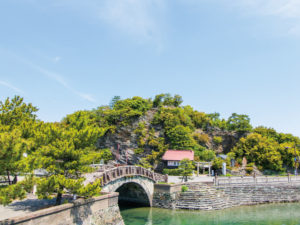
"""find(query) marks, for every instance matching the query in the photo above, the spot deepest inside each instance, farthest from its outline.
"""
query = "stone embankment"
(210, 197)
(102, 210)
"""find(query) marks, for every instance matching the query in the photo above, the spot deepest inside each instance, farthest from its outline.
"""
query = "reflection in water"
(271, 214)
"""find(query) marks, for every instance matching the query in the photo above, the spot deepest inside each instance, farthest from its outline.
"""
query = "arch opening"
(132, 195)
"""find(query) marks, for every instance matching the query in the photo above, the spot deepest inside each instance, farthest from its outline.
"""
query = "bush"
(201, 138)
(249, 169)
(184, 188)
(138, 151)
(207, 155)
(217, 163)
(172, 172)
(217, 140)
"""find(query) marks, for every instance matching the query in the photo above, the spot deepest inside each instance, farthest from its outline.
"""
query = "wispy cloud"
(56, 59)
(61, 80)
(286, 10)
(138, 18)
(58, 78)
(10, 86)
(141, 20)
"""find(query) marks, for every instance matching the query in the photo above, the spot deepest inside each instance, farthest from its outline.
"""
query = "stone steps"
(204, 197)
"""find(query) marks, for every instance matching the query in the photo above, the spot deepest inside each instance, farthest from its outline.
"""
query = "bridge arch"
(128, 180)
(133, 189)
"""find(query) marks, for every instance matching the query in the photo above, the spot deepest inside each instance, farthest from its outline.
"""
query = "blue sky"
(221, 55)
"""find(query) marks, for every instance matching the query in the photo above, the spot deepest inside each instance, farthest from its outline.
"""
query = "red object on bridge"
(178, 155)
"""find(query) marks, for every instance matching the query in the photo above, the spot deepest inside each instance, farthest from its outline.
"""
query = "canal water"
(269, 214)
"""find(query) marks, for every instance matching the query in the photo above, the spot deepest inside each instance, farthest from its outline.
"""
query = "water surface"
(270, 214)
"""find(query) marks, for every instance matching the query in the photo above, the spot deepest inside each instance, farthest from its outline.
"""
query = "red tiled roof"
(178, 155)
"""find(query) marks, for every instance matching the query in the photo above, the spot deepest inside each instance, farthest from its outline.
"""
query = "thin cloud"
(134, 17)
(141, 20)
(54, 76)
(286, 10)
(10, 86)
(56, 59)
(60, 80)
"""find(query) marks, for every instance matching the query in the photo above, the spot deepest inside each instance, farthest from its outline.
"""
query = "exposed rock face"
(229, 140)
(124, 141)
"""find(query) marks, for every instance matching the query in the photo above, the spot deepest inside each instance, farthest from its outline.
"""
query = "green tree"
(239, 123)
(16, 122)
(66, 156)
(12, 147)
(180, 138)
(260, 150)
(114, 100)
(186, 168)
(207, 155)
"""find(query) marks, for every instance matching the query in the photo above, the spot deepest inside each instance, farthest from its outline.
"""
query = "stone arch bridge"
(134, 184)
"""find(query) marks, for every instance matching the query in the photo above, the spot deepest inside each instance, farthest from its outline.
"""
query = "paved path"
(19, 208)
(201, 178)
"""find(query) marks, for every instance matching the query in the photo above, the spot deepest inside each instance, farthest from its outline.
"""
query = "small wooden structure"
(204, 165)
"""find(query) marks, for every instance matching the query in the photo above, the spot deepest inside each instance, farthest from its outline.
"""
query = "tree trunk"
(58, 199)
(15, 180)
(8, 177)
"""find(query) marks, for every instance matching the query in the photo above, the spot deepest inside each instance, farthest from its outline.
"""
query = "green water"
(271, 214)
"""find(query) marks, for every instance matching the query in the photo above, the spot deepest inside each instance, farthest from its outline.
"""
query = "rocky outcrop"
(123, 141)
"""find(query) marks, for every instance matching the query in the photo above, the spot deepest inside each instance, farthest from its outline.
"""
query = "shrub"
(217, 163)
(172, 172)
(138, 151)
(201, 138)
(184, 188)
(207, 155)
(249, 169)
(218, 140)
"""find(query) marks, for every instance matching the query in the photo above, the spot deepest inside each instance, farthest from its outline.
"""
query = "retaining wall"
(208, 197)
(102, 210)
(262, 193)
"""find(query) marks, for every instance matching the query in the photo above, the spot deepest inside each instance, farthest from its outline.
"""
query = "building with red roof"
(173, 157)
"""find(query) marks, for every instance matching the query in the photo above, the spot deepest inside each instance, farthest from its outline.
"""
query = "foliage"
(67, 154)
(167, 100)
(259, 150)
(180, 138)
(114, 100)
(124, 111)
(186, 167)
(172, 172)
(141, 133)
(218, 140)
(217, 163)
(12, 147)
(239, 123)
(16, 191)
(138, 151)
(14, 113)
(206, 155)
(106, 155)
(184, 188)
(201, 138)
(145, 164)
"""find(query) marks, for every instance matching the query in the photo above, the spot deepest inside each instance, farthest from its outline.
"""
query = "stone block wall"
(262, 193)
(166, 195)
(209, 197)
(102, 210)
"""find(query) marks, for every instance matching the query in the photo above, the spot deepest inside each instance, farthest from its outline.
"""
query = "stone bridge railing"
(256, 180)
(125, 171)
